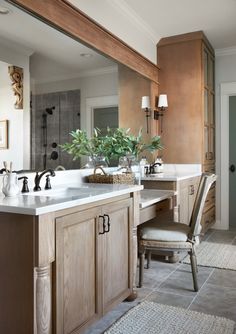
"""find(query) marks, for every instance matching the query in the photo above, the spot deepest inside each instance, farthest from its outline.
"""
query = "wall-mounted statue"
(16, 75)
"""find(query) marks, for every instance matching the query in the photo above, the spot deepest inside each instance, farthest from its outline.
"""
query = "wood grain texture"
(43, 315)
(117, 254)
(16, 279)
(136, 220)
(181, 80)
(182, 76)
(44, 239)
(69, 19)
(192, 36)
(164, 185)
(155, 210)
(78, 274)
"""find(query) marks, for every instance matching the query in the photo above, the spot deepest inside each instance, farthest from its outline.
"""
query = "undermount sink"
(67, 192)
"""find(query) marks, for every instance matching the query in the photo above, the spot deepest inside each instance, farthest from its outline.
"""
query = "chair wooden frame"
(145, 245)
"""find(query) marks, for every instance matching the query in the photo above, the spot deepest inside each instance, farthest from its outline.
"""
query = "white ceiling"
(217, 18)
(54, 55)
(162, 18)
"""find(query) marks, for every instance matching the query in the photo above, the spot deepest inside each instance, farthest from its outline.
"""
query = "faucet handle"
(25, 188)
(48, 183)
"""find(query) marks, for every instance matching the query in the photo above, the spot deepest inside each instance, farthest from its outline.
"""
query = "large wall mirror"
(66, 86)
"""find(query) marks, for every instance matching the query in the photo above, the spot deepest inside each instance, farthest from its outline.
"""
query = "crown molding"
(133, 17)
(226, 51)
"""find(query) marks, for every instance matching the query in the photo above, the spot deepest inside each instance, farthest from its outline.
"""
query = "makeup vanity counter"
(184, 183)
(67, 256)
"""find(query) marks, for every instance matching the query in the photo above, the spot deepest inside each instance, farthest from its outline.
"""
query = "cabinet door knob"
(108, 223)
(191, 189)
(232, 168)
(103, 225)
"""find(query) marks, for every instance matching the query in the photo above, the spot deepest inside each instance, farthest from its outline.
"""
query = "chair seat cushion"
(168, 232)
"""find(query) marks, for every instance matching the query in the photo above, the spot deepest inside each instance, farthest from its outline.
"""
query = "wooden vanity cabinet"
(186, 193)
(93, 270)
(187, 76)
(63, 270)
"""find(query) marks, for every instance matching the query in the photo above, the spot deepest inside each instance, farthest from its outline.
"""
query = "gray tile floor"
(171, 284)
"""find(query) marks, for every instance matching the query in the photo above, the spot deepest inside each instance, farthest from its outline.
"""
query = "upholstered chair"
(171, 236)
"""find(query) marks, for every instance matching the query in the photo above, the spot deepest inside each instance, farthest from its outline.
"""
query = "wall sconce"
(162, 105)
(146, 108)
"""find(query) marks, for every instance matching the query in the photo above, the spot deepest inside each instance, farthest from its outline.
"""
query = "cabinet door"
(77, 270)
(117, 253)
(188, 191)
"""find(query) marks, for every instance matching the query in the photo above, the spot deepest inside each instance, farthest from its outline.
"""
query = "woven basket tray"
(127, 178)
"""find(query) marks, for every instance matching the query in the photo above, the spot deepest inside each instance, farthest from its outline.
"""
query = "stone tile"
(221, 277)
(207, 234)
(222, 237)
(216, 300)
(181, 283)
(157, 273)
(170, 299)
(143, 293)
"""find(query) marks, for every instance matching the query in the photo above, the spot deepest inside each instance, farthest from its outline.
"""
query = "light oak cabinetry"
(186, 193)
(187, 77)
(65, 269)
(93, 257)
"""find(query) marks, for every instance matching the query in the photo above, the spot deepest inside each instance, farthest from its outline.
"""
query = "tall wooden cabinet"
(187, 77)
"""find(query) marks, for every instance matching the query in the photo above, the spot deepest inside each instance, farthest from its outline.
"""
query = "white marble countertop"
(152, 196)
(62, 197)
(170, 176)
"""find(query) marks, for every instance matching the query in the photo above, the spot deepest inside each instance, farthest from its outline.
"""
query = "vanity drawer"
(154, 210)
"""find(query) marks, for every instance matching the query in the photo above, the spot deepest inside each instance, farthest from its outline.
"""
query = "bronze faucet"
(39, 176)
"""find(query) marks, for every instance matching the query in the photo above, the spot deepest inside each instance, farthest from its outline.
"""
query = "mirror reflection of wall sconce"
(162, 105)
(146, 108)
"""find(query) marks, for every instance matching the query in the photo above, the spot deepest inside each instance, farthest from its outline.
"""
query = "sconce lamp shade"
(145, 102)
(162, 101)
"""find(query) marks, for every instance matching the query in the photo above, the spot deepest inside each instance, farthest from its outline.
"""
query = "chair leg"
(149, 256)
(141, 267)
(193, 261)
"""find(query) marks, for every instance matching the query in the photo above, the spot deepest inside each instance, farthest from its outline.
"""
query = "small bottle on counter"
(143, 163)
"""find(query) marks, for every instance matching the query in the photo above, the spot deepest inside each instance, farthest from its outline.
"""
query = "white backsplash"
(182, 168)
(78, 176)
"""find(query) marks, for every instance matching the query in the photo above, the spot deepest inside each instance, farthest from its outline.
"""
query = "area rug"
(217, 255)
(153, 318)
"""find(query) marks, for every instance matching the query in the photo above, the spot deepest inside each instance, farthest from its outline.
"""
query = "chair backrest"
(205, 184)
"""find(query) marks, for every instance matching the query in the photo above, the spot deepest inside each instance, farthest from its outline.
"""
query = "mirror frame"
(67, 18)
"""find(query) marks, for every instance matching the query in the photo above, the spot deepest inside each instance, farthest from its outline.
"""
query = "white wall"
(225, 72)
(91, 86)
(19, 120)
(126, 25)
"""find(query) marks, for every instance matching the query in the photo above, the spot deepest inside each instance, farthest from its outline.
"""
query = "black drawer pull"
(103, 225)
(108, 223)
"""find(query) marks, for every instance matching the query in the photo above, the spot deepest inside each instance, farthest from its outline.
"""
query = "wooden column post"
(136, 216)
(43, 300)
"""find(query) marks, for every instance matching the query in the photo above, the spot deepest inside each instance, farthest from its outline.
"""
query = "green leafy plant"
(115, 144)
